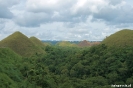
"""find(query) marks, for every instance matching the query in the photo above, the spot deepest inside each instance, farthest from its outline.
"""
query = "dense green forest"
(97, 66)
(67, 67)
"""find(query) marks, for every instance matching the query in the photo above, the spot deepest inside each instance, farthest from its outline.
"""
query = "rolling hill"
(121, 38)
(21, 44)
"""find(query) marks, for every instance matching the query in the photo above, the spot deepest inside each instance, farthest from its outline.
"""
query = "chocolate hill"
(85, 43)
(36, 41)
(121, 38)
(21, 44)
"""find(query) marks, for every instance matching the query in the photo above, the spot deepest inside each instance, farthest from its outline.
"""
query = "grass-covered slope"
(37, 42)
(120, 38)
(21, 44)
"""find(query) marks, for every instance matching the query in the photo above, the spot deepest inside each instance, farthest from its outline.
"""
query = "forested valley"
(67, 67)
(37, 65)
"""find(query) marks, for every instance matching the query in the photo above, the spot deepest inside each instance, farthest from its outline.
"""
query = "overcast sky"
(90, 20)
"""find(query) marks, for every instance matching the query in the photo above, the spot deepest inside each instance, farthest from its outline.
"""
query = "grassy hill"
(21, 44)
(37, 42)
(121, 38)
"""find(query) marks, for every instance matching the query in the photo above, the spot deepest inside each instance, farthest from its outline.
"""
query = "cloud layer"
(92, 20)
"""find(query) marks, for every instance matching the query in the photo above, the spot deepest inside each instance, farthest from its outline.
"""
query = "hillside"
(9, 74)
(37, 42)
(8, 53)
(21, 44)
(121, 38)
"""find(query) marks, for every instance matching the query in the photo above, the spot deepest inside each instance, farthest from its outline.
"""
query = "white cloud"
(42, 11)
(87, 6)
(31, 19)
(116, 14)
(5, 13)
(47, 5)
(7, 27)
(115, 2)
(9, 3)
(65, 19)
(5, 8)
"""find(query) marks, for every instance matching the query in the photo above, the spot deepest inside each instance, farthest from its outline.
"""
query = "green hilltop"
(21, 44)
(121, 38)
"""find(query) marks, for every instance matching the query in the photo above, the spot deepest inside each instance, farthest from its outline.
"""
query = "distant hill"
(53, 42)
(121, 38)
(21, 44)
(66, 43)
(86, 43)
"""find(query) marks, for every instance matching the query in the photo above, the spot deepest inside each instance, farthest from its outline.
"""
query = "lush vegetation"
(98, 66)
(67, 67)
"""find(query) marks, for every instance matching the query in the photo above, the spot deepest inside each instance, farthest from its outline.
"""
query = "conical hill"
(121, 38)
(21, 44)
(84, 43)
